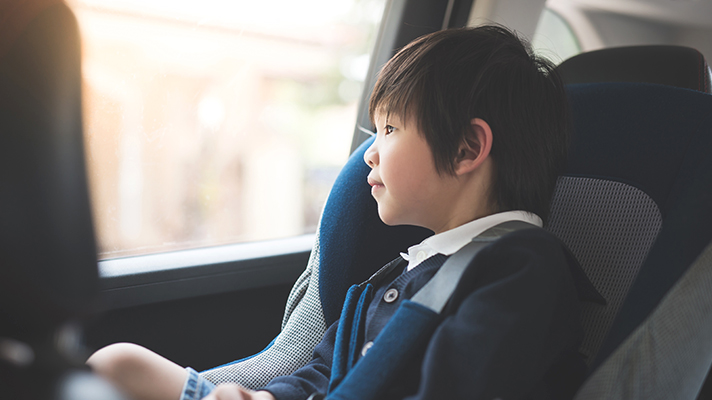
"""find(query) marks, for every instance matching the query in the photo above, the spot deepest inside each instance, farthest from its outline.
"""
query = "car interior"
(633, 207)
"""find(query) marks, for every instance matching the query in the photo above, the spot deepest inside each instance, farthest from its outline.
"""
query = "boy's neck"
(464, 212)
(466, 199)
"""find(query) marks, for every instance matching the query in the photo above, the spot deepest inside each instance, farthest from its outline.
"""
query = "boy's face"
(404, 180)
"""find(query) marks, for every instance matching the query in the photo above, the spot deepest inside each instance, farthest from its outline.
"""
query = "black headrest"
(678, 66)
(48, 269)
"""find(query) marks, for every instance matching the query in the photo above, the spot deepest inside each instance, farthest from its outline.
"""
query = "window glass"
(554, 38)
(217, 121)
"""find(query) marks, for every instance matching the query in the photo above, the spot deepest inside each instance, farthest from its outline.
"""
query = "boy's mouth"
(373, 182)
(375, 185)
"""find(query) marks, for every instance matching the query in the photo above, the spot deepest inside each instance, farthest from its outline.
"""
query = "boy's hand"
(231, 391)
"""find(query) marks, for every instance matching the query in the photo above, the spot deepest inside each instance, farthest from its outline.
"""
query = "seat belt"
(413, 323)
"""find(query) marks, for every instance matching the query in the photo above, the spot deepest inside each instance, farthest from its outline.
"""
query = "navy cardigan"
(511, 329)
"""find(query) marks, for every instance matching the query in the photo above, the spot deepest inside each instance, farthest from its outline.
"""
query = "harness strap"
(436, 293)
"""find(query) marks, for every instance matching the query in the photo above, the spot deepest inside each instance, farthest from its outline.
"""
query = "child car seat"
(609, 208)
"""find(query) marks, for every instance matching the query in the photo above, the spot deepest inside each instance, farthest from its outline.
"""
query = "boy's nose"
(371, 156)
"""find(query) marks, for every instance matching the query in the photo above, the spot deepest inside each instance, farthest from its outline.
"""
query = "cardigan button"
(365, 348)
(391, 295)
(421, 256)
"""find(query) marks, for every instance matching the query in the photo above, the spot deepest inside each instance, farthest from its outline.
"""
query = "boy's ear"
(475, 148)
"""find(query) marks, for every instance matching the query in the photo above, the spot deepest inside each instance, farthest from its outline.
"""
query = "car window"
(217, 121)
(554, 38)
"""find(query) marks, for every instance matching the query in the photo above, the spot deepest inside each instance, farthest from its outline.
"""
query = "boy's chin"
(386, 220)
(386, 217)
(391, 221)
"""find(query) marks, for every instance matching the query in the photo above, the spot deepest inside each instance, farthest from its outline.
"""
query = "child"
(471, 132)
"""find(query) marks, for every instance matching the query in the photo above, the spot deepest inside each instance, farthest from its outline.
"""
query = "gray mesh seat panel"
(303, 326)
(669, 354)
(609, 226)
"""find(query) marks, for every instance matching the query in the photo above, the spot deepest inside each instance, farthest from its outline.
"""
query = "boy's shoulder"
(535, 241)
(536, 257)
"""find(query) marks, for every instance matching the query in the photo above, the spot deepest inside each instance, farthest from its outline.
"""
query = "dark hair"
(448, 77)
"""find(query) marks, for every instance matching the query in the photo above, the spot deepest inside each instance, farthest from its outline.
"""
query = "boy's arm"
(511, 317)
(313, 377)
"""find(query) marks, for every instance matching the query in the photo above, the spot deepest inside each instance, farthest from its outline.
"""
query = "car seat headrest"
(677, 66)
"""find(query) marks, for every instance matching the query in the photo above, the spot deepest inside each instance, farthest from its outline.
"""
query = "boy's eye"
(389, 129)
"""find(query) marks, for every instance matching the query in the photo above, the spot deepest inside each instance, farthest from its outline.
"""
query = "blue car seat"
(625, 207)
(633, 194)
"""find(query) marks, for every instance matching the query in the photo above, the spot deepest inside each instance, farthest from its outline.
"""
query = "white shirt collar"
(449, 242)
